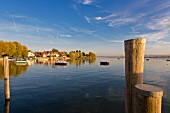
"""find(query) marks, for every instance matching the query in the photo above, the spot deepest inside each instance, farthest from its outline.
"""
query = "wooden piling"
(134, 64)
(6, 78)
(148, 98)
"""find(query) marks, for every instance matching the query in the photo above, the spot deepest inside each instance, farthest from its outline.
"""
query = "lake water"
(80, 87)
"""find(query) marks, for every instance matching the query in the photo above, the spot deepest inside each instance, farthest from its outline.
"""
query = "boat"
(167, 59)
(21, 61)
(104, 63)
(147, 59)
(61, 62)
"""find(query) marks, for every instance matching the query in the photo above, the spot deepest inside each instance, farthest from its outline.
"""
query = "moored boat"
(168, 60)
(147, 59)
(21, 61)
(104, 63)
(61, 62)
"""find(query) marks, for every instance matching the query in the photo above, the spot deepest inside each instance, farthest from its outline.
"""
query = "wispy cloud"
(155, 36)
(161, 22)
(19, 16)
(117, 19)
(75, 7)
(120, 21)
(106, 17)
(65, 35)
(80, 30)
(14, 22)
(87, 19)
(112, 41)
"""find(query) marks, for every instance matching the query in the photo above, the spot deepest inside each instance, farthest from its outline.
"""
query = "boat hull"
(104, 63)
(60, 63)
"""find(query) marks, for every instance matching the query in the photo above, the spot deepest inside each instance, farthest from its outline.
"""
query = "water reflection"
(7, 106)
(81, 61)
(14, 70)
(70, 61)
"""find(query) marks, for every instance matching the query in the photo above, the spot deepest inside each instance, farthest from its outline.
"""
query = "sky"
(100, 26)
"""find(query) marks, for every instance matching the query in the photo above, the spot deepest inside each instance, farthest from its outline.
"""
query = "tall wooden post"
(148, 98)
(134, 64)
(6, 78)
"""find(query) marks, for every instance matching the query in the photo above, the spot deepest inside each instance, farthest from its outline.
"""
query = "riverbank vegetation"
(13, 49)
(81, 55)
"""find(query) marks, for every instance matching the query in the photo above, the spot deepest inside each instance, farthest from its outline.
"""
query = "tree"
(55, 50)
(92, 55)
(12, 49)
(83, 53)
(18, 52)
(72, 55)
(24, 51)
(1, 44)
(5, 48)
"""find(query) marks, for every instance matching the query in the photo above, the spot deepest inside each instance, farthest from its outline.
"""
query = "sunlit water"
(80, 87)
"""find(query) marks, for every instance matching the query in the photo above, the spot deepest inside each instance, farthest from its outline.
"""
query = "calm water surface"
(80, 87)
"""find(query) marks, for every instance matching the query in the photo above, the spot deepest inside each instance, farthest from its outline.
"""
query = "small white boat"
(61, 62)
(21, 61)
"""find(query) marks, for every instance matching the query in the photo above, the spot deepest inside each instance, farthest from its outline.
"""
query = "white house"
(31, 54)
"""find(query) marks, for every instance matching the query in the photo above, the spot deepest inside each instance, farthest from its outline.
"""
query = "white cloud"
(98, 18)
(86, 2)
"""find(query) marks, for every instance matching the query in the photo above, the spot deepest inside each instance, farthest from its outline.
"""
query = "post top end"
(5, 55)
(142, 40)
(149, 90)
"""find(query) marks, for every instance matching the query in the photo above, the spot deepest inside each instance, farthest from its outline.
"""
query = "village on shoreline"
(17, 50)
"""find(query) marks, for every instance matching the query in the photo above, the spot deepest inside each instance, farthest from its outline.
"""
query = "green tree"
(1, 45)
(12, 49)
(24, 51)
(55, 50)
(5, 48)
(18, 52)
(72, 55)
(80, 54)
(92, 55)
(83, 53)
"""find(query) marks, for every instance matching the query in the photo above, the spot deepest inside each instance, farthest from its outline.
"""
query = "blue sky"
(100, 26)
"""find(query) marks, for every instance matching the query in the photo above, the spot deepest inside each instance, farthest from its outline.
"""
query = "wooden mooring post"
(134, 64)
(148, 98)
(6, 78)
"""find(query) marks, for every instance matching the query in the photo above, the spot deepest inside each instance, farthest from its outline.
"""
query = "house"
(63, 54)
(31, 54)
(50, 54)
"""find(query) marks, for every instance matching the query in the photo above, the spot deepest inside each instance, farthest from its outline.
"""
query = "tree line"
(79, 54)
(13, 49)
